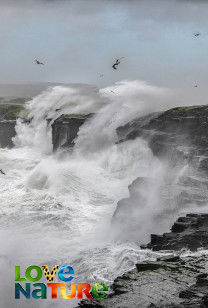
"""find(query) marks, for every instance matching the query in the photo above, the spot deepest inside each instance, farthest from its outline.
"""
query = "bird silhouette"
(114, 66)
(197, 34)
(38, 62)
(2, 172)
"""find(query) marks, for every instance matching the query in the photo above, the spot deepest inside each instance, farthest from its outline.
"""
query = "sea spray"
(62, 204)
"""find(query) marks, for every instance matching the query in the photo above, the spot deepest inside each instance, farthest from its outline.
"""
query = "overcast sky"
(79, 40)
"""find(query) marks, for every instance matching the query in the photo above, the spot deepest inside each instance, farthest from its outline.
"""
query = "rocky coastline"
(174, 280)
(178, 137)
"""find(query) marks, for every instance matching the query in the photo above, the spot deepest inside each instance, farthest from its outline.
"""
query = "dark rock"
(65, 130)
(7, 132)
(177, 134)
(192, 234)
(179, 227)
(170, 259)
(176, 285)
(148, 266)
(9, 112)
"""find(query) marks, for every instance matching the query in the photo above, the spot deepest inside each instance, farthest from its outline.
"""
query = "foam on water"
(57, 208)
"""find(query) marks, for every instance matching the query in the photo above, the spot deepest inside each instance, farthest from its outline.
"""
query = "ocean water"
(57, 208)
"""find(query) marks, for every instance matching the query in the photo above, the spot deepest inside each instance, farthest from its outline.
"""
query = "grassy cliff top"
(11, 111)
(187, 110)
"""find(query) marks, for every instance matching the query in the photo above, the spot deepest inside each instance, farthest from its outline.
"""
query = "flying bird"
(38, 62)
(197, 34)
(102, 75)
(114, 66)
(2, 172)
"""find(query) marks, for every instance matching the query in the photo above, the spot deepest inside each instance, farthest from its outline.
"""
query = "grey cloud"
(91, 29)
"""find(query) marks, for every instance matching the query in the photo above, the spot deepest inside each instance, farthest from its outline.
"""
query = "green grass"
(184, 109)
(11, 111)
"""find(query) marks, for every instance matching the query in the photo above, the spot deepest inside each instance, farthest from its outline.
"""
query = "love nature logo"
(39, 290)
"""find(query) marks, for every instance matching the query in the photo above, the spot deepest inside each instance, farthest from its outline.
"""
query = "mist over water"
(57, 208)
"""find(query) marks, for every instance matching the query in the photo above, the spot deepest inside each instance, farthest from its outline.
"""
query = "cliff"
(179, 138)
(9, 112)
(171, 281)
(65, 130)
(179, 132)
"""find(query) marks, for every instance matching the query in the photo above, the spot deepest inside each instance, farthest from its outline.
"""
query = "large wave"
(59, 206)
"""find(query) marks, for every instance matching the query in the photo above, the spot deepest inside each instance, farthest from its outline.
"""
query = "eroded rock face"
(167, 282)
(189, 232)
(179, 133)
(9, 112)
(65, 130)
(178, 137)
(7, 132)
(170, 281)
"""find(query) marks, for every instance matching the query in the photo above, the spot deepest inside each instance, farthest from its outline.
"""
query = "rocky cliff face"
(170, 281)
(177, 133)
(178, 137)
(65, 130)
(9, 112)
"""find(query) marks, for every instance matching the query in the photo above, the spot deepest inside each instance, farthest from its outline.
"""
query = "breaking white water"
(57, 208)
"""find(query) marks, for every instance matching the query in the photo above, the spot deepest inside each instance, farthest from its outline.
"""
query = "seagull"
(2, 172)
(38, 62)
(197, 34)
(112, 91)
(114, 66)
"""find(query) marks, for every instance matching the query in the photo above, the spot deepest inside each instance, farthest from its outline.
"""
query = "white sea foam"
(57, 208)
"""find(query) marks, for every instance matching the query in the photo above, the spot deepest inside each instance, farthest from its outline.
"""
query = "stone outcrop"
(169, 281)
(189, 232)
(179, 133)
(65, 130)
(7, 132)
(9, 112)
(178, 137)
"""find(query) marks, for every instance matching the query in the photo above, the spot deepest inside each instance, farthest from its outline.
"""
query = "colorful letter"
(98, 292)
(17, 274)
(86, 291)
(47, 273)
(29, 270)
(62, 272)
(42, 291)
(19, 288)
(54, 287)
(73, 292)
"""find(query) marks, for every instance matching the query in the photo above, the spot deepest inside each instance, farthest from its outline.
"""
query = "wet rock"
(170, 259)
(177, 134)
(7, 132)
(148, 266)
(9, 112)
(190, 232)
(173, 282)
(179, 227)
(65, 130)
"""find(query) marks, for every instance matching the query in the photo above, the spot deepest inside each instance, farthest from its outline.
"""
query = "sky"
(78, 40)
